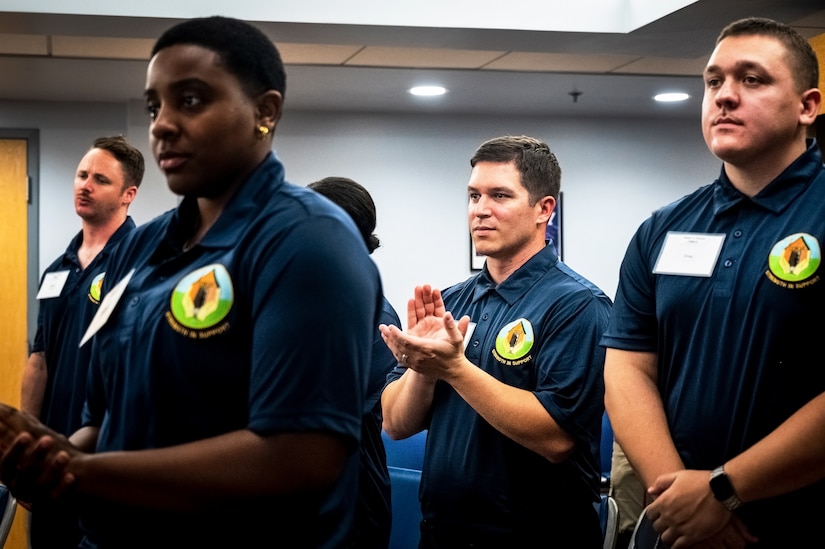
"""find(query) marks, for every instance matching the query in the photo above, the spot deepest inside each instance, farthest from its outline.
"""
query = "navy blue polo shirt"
(61, 322)
(267, 324)
(734, 348)
(539, 331)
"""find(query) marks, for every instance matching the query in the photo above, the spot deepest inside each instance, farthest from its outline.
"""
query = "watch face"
(720, 486)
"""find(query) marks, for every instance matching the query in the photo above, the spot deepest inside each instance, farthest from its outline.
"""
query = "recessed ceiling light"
(671, 97)
(428, 90)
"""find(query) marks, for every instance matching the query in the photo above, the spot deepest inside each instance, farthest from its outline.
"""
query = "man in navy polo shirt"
(54, 378)
(512, 393)
(714, 384)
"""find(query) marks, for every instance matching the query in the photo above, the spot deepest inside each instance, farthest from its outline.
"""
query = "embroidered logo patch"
(513, 343)
(95, 288)
(794, 259)
(200, 301)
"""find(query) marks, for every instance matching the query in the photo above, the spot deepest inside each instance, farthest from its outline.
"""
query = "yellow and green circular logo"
(515, 340)
(96, 287)
(795, 257)
(203, 297)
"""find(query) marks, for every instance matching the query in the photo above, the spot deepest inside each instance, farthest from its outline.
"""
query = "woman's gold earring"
(263, 131)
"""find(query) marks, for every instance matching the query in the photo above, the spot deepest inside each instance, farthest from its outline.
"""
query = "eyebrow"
(491, 190)
(738, 67)
(179, 85)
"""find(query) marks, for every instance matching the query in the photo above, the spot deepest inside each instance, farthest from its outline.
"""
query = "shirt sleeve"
(633, 325)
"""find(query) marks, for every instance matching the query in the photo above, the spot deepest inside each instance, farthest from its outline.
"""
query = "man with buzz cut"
(714, 380)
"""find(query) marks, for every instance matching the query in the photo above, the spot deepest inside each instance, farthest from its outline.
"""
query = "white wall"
(614, 173)
(66, 131)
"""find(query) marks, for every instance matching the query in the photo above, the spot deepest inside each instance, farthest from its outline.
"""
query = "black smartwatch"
(722, 489)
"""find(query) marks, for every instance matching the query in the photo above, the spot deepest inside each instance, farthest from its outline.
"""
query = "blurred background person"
(373, 517)
(54, 378)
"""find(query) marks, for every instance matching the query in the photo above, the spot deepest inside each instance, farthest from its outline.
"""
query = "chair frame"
(8, 507)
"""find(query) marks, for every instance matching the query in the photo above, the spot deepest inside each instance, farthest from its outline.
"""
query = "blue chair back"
(407, 453)
(405, 460)
(406, 508)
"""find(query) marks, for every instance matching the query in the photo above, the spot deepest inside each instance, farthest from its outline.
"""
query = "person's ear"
(270, 104)
(129, 194)
(546, 206)
(811, 103)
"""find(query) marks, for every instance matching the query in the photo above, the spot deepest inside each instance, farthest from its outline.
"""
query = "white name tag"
(106, 307)
(689, 254)
(471, 327)
(52, 284)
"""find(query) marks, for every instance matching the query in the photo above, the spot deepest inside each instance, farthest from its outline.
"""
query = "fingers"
(412, 313)
(662, 483)
(426, 302)
(10, 458)
(15, 470)
(438, 303)
(395, 341)
(35, 469)
(14, 422)
(390, 336)
(463, 323)
(451, 327)
(418, 304)
(423, 302)
(727, 538)
(59, 480)
(9, 426)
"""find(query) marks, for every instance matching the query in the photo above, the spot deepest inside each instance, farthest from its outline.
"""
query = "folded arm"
(39, 464)
(684, 511)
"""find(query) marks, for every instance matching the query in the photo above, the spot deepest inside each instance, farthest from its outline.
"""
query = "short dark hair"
(355, 200)
(538, 166)
(243, 48)
(130, 158)
(802, 57)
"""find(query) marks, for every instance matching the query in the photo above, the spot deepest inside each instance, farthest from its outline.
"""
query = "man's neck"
(501, 269)
(750, 178)
(95, 237)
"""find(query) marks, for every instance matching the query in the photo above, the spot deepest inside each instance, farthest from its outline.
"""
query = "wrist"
(722, 489)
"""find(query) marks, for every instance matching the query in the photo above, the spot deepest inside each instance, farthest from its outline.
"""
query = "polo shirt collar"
(780, 192)
(519, 282)
(74, 246)
(227, 230)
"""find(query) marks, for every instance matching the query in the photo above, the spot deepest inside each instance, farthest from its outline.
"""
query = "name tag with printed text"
(52, 284)
(689, 254)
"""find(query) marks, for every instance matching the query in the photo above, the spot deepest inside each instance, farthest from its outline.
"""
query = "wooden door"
(14, 188)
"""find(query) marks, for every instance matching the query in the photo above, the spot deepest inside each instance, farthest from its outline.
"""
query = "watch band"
(723, 490)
